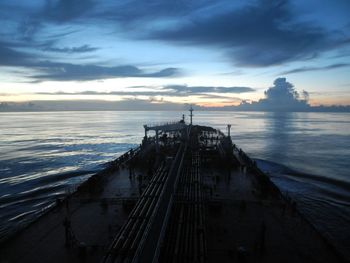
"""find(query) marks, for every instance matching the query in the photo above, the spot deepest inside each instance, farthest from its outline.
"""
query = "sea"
(46, 155)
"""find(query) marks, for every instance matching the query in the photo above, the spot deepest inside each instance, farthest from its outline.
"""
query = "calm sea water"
(44, 155)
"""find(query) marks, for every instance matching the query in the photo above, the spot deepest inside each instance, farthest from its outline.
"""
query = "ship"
(187, 193)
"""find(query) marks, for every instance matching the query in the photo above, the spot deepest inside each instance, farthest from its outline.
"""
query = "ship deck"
(192, 206)
(95, 219)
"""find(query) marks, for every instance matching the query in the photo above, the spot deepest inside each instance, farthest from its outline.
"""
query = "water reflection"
(280, 129)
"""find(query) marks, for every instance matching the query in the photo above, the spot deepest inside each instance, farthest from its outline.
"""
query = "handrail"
(155, 124)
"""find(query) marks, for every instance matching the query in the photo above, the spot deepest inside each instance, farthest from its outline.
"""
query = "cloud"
(206, 89)
(263, 34)
(38, 27)
(306, 69)
(137, 13)
(97, 93)
(58, 71)
(167, 90)
(138, 94)
(68, 72)
(12, 57)
(305, 95)
(280, 97)
(167, 72)
(66, 10)
(79, 49)
(249, 34)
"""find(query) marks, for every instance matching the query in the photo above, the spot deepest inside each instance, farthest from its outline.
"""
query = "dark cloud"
(252, 33)
(55, 37)
(305, 95)
(58, 71)
(79, 49)
(119, 93)
(262, 34)
(135, 12)
(28, 28)
(11, 57)
(91, 92)
(137, 94)
(167, 72)
(282, 92)
(305, 69)
(66, 10)
(168, 90)
(69, 72)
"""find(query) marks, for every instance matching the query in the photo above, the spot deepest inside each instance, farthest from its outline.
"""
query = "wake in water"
(324, 201)
(24, 206)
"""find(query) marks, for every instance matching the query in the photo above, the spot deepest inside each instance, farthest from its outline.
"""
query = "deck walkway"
(95, 219)
(244, 227)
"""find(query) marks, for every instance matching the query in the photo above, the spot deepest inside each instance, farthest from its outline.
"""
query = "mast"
(191, 114)
(228, 130)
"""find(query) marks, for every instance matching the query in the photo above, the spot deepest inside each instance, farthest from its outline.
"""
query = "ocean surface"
(45, 155)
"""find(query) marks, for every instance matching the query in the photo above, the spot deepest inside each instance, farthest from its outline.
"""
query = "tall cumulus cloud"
(280, 97)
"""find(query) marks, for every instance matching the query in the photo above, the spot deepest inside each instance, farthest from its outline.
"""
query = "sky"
(208, 53)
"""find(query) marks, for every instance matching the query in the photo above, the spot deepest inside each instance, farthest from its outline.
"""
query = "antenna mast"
(191, 114)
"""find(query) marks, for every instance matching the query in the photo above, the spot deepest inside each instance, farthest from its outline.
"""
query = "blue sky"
(211, 53)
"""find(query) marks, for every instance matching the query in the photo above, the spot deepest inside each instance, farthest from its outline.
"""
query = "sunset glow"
(96, 50)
